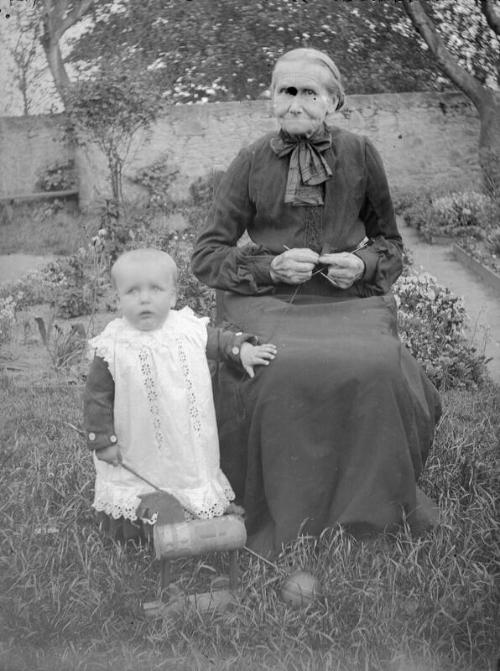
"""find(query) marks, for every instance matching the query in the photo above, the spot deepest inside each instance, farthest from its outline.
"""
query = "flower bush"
(72, 285)
(431, 321)
(157, 179)
(7, 318)
(190, 291)
(203, 189)
(59, 176)
(416, 211)
(461, 214)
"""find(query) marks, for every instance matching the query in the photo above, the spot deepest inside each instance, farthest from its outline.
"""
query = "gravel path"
(482, 303)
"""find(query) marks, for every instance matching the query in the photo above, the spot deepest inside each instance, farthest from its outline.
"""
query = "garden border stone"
(488, 276)
(39, 195)
(438, 239)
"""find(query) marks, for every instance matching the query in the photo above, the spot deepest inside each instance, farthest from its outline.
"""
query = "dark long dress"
(337, 429)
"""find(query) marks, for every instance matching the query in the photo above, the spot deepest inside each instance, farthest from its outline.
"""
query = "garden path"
(481, 302)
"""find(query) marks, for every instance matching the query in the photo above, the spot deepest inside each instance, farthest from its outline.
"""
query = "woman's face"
(301, 100)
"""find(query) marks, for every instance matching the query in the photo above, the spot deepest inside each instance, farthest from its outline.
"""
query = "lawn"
(72, 599)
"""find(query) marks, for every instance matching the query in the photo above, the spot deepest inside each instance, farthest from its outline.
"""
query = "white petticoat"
(164, 418)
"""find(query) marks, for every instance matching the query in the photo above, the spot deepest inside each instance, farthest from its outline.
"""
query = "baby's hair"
(144, 255)
(334, 84)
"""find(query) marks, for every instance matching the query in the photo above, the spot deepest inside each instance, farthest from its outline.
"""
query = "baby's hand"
(110, 454)
(256, 355)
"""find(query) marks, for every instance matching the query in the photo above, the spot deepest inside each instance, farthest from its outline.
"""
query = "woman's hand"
(111, 454)
(256, 355)
(295, 266)
(344, 268)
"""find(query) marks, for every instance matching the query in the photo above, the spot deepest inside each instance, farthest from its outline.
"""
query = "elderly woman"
(337, 429)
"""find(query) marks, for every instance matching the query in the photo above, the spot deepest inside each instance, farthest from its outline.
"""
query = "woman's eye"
(310, 92)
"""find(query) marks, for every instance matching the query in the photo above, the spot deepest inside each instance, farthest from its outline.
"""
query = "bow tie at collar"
(308, 169)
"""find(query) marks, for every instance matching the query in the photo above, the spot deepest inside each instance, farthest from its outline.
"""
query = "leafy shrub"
(157, 178)
(431, 324)
(463, 214)
(190, 291)
(417, 211)
(493, 240)
(202, 190)
(7, 318)
(71, 284)
(134, 230)
(70, 275)
(111, 107)
(402, 200)
(59, 176)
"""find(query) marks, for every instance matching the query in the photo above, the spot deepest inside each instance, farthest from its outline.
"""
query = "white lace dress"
(164, 417)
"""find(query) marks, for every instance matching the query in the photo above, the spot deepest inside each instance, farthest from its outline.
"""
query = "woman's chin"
(298, 128)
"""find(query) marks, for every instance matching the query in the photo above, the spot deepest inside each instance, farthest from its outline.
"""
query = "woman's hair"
(305, 54)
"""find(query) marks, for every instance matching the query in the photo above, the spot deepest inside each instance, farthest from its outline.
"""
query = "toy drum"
(196, 536)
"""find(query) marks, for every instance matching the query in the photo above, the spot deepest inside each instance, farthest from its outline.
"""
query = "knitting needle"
(320, 271)
(364, 243)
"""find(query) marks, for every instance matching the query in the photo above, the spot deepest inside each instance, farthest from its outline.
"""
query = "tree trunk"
(489, 143)
(486, 101)
(56, 65)
(57, 16)
(115, 172)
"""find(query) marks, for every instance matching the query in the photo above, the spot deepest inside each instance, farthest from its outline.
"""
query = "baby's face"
(301, 100)
(146, 293)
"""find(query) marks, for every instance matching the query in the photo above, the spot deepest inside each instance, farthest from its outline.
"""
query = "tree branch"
(57, 17)
(76, 12)
(465, 81)
(491, 15)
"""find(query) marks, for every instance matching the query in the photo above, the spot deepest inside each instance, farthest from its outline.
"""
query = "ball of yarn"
(300, 589)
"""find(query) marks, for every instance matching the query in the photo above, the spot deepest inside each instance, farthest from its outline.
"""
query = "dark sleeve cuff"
(98, 441)
(260, 268)
(98, 402)
(370, 258)
(226, 345)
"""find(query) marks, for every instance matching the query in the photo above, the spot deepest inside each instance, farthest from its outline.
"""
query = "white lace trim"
(194, 413)
(152, 395)
(119, 330)
(125, 506)
(214, 505)
(215, 499)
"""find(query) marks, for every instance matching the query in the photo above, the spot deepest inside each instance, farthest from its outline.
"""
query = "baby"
(148, 399)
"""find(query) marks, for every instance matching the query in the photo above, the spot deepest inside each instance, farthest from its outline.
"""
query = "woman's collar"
(319, 135)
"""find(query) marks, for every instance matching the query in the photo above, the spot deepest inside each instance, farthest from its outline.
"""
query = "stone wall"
(28, 145)
(426, 140)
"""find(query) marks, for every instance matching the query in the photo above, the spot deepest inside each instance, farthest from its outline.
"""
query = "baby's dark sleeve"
(98, 401)
(226, 345)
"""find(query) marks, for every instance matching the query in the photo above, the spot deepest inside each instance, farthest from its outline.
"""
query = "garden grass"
(71, 599)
